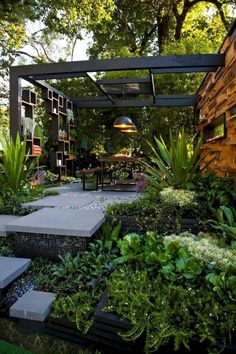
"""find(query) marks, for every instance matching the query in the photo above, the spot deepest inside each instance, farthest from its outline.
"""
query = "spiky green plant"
(226, 221)
(15, 167)
(174, 165)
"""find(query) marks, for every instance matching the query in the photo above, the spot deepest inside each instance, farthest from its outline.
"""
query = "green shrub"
(78, 308)
(145, 214)
(212, 191)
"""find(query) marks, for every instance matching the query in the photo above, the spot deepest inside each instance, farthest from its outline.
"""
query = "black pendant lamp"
(123, 122)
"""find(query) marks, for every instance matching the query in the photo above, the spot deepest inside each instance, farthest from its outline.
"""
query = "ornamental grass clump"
(15, 168)
(173, 165)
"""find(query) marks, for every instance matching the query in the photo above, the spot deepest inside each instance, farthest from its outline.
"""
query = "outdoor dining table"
(112, 160)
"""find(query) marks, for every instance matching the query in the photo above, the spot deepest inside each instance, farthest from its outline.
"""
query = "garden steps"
(33, 306)
(49, 232)
(59, 221)
(5, 220)
(10, 269)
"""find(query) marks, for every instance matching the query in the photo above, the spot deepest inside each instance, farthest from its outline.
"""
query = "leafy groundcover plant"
(80, 281)
(172, 288)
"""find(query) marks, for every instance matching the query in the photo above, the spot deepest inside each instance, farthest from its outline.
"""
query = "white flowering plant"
(182, 198)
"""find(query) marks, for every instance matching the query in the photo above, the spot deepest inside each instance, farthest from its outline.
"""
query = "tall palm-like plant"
(15, 167)
(174, 165)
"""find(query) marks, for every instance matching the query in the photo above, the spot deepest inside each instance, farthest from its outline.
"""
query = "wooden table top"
(121, 159)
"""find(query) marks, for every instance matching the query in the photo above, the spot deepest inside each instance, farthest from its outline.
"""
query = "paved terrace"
(72, 196)
(73, 212)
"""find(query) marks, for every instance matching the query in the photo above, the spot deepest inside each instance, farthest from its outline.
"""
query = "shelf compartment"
(29, 97)
(47, 94)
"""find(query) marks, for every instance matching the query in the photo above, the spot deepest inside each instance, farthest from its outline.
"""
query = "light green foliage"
(145, 26)
(174, 165)
(77, 308)
(178, 197)
(204, 249)
(162, 311)
(4, 121)
(16, 169)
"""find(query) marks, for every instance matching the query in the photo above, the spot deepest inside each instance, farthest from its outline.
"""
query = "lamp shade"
(123, 122)
(130, 130)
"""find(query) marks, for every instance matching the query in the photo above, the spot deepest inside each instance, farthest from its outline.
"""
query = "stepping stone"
(59, 221)
(11, 268)
(33, 305)
(61, 201)
(4, 220)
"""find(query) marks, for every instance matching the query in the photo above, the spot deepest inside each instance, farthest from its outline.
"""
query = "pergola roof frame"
(37, 73)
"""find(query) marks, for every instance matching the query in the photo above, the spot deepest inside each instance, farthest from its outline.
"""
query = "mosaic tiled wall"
(47, 246)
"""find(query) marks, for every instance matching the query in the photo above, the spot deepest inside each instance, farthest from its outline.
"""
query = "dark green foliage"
(147, 213)
(214, 191)
(138, 207)
(5, 247)
(166, 293)
(85, 271)
(225, 223)
(80, 281)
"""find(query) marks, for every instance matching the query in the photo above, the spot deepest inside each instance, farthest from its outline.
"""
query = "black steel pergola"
(112, 89)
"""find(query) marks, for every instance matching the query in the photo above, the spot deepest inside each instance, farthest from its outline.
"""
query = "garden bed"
(134, 224)
(103, 334)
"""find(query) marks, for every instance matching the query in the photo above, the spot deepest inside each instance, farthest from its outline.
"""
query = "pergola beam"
(129, 80)
(56, 76)
(201, 69)
(160, 101)
(140, 63)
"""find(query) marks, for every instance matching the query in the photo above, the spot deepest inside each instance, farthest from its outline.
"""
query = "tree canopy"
(33, 29)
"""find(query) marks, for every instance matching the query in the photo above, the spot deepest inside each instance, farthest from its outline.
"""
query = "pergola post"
(15, 103)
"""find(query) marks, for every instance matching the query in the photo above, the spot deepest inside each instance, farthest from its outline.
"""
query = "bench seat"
(97, 171)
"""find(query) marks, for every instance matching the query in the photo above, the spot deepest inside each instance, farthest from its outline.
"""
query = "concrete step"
(59, 221)
(33, 305)
(11, 268)
(4, 220)
(62, 201)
